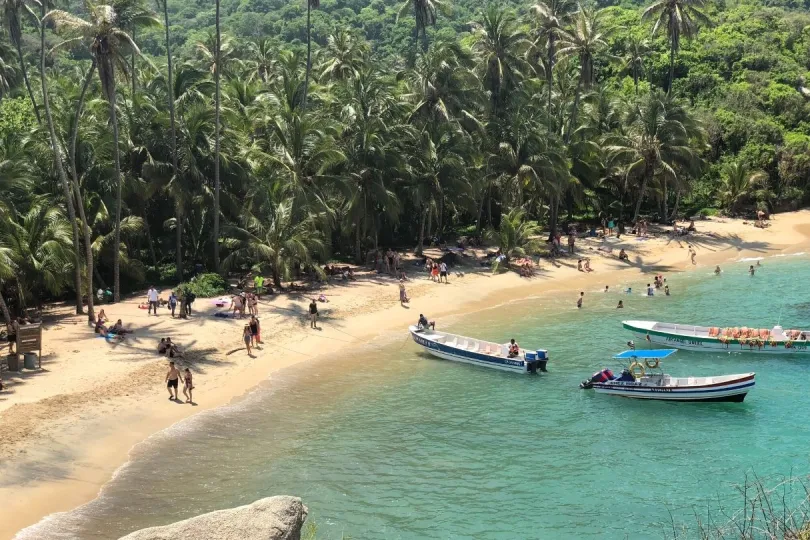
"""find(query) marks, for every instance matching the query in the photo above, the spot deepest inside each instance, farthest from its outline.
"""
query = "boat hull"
(446, 352)
(700, 343)
(733, 391)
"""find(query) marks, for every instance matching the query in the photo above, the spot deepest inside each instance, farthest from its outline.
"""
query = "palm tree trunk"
(664, 209)
(216, 143)
(88, 246)
(677, 202)
(27, 82)
(358, 256)
(133, 71)
(118, 201)
(4, 307)
(574, 112)
(671, 67)
(554, 218)
(170, 94)
(647, 174)
(421, 245)
(550, 81)
(60, 170)
(309, 54)
(149, 242)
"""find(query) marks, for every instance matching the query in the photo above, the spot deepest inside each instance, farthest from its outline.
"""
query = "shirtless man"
(172, 377)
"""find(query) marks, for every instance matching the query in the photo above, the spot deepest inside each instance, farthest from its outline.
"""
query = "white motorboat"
(478, 352)
(776, 340)
(643, 380)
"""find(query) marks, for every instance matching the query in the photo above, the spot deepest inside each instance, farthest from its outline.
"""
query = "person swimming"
(717, 270)
(621, 305)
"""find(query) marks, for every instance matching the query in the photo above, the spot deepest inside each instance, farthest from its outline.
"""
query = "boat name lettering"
(685, 341)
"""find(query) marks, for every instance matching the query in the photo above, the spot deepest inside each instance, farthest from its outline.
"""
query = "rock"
(271, 518)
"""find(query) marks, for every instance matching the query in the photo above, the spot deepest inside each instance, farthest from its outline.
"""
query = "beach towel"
(223, 314)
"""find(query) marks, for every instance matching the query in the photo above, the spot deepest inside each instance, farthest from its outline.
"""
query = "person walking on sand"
(171, 380)
(247, 337)
(692, 254)
(255, 330)
(152, 299)
(403, 295)
(580, 299)
(571, 240)
(313, 314)
(172, 302)
(188, 385)
(254, 304)
(443, 272)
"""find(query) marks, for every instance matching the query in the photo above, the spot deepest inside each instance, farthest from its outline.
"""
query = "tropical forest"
(141, 142)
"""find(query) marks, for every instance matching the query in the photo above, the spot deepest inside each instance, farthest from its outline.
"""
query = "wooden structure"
(29, 339)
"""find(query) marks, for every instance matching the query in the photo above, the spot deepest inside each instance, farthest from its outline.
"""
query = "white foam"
(748, 259)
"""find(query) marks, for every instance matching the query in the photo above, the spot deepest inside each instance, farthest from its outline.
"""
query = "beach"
(67, 429)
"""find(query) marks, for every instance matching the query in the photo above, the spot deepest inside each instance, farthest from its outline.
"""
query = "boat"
(478, 352)
(776, 340)
(643, 379)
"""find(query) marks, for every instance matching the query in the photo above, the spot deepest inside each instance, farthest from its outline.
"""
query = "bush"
(204, 285)
(163, 274)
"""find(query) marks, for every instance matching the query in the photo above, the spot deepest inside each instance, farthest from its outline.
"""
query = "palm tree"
(273, 235)
(659, 133)
(499, 45)
(737, 183)
(343, 56)
(551, 18)
(56, 149)
(583, 41)
(424, 11)
(170, 97)
(109, 46)
(515, 236)
(262, 57)
(12, 11)
(7, 72)
(681, 18)
(217, 99)
(311, 4)
(633, 59)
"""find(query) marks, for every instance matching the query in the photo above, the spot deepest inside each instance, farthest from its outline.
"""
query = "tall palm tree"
(7, 71)
(56, 149)
(12, 11)
(110, 45)
(500, 45)
(551, 17)
(343, 56)
(681, 18)
(170, 97)
(424, 11)
(633, 59)
(657, 139)
(217, 99)
(311, 4)
(262, 57)
(737, 183)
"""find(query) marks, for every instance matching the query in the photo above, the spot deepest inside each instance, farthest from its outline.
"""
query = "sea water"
(394, 444)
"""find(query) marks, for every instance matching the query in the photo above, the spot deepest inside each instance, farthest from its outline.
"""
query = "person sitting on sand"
(100, 327)
(162, 346)
(514, 349)
(623, 255)
(691, 227)
(588, 265)
(118, 328)
(579, 265)
(424, 324)
(102, 317)
(621, 305)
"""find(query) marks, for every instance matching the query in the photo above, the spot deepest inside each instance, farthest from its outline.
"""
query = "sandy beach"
(67, 428)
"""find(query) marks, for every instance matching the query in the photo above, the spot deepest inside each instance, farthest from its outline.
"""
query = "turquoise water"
(394, 444)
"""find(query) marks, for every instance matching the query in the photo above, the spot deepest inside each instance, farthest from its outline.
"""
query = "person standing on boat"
(514, 348)
(424, 323)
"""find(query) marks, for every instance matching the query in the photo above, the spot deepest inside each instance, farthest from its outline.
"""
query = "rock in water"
(272, 518)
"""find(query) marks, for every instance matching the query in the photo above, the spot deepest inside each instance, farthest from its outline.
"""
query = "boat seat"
(474, 347)
(452, 343)
(439, 339)
(463, 344)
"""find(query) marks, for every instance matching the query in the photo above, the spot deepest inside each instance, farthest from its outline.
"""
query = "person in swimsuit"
(751, 270)
(666, 290)
(187, 385)
(403, 295)
(254, 330)
(247, 337)
(236, 305)
(580, 299)
(621, 305)
(717, 270)
(171, 380)
(254, 304)
(313, 314)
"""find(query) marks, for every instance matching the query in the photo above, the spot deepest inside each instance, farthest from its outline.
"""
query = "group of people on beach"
(245, 299)
(117, 330)
(172, 382)
(436, 270)
(154, 301)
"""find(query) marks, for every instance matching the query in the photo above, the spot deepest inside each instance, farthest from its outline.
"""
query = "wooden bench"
(29, 339)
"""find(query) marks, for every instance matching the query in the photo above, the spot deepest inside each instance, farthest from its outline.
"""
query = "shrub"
(204, 285)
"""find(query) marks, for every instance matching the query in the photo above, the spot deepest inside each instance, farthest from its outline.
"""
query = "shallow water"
(394, 444)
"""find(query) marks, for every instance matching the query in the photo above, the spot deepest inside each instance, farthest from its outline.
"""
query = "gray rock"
(272, 518)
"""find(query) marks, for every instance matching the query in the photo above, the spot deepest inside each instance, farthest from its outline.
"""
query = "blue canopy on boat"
(645, 354)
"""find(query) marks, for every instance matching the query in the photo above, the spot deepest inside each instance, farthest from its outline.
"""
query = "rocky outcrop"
(273, 518)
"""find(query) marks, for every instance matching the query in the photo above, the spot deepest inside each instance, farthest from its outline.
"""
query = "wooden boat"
(478, 352)
(776, 340)
(643, 380)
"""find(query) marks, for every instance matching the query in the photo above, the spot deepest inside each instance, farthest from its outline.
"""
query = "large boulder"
(272, 518)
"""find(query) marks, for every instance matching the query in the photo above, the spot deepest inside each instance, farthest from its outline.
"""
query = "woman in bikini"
(187, 385)
(247, 337)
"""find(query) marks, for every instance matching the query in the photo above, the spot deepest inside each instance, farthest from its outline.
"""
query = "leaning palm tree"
(12, 11)
(551, 17)
(311, 4)
(658, 139)
(738, 183)
(110, 46)
(681, 18)
(424, 11)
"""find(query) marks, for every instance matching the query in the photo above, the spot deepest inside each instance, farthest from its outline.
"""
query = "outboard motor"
(531, 362)
(542, 359)
(598, 377)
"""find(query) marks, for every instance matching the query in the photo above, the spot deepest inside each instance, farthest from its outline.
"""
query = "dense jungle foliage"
(274, 134)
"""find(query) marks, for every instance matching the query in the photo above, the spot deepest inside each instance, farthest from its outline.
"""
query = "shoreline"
(105, 437)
